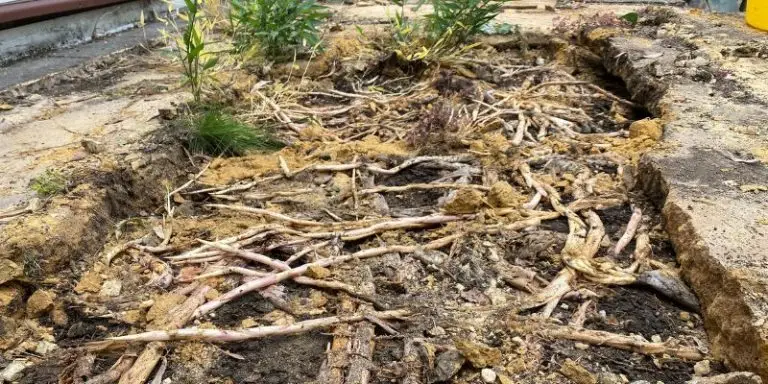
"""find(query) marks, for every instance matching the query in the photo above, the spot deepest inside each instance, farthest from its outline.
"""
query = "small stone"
(702, 368)
(504, 195)
(480, 355)
(11, 298)
(448, 364)
(488, 375)
(685, 316)
(496, 295)
(463, 201)
(39, 303)
(317, 272)
(90, 282)
(322, 178)
(581, 346)
(163, 304)
(605, 242)
(13, 371)
(646, 127)
(59, 317)
(609, 378)
(656, 338)
(540, 61)
(9, 271)
(212, 294)
(111, 288)
(577, 373)
(133, 316)
(640, 382)
(248, 322)
(504, 379)
(379, 204)
(493, 255)
(137, 164)
(728, 378)
(342, 184)
(436, 331)
(92, 146)
(698, 62)
(44, 347)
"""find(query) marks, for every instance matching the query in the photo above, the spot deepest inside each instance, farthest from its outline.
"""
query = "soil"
(460, 296)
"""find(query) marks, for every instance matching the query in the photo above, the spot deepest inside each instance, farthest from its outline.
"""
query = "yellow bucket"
(757, 14)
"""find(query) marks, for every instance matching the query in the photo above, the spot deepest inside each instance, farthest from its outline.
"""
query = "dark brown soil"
(277, 360)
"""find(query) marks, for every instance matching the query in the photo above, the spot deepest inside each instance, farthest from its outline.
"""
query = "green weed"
(50, 183)
(446, 31)
(190, 46)
(454, 22)
(219, 134)
(276, 28)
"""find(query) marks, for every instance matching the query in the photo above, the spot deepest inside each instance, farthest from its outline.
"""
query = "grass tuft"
(50, 183)
(219, 134)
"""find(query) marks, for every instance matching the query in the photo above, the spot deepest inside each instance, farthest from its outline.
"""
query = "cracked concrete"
(716, 219)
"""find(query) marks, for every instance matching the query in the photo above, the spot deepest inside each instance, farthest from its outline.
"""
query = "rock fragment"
(480, 355)
(646, 127)
(729, 378)
(448, 364)
(488, 375)
(39, 303)
(577, 373)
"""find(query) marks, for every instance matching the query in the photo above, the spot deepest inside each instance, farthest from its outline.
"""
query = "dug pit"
(453, 223)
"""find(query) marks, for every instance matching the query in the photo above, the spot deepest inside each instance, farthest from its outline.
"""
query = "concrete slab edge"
(66, 31)
(727, 294)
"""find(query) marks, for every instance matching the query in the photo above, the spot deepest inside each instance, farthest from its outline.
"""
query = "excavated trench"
(464, 302)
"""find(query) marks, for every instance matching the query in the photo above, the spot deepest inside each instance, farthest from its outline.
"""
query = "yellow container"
(757, 14)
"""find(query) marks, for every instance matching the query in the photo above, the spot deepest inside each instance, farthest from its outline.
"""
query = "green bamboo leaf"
(210, 63)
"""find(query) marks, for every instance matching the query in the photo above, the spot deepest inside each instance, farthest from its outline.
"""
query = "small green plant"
(631, 17)
(456, 21)
(51, 182)
(403, 29)
(219, 134)
(445, 31)
(276, 28)
(190, 46)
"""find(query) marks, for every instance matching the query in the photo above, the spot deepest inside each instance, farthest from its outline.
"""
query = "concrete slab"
(694, 73)
(35, 67)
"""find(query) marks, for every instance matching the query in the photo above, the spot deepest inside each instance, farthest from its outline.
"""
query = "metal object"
(19, 10)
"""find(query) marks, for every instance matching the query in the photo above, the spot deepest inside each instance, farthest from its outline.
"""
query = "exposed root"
(630, 343)
(634, 222)
(298, 271)
(220, 336)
